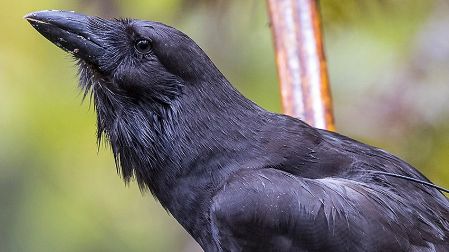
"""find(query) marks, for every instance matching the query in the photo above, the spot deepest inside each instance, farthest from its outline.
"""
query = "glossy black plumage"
(237, 177)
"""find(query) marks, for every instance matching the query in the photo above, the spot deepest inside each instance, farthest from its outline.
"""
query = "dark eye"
(143, 46)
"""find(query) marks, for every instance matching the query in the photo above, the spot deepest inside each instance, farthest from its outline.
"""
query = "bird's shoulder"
(305, 151)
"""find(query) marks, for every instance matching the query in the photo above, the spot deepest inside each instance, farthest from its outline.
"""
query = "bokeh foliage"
(388, 62)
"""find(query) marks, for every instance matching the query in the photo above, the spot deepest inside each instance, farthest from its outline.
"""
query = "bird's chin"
(89, 75)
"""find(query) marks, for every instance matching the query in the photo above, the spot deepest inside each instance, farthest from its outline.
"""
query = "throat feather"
(137, 136)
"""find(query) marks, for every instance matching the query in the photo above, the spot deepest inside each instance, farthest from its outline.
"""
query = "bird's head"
(141, 60)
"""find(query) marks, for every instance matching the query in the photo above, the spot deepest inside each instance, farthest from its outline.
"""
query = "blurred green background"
(389, 69)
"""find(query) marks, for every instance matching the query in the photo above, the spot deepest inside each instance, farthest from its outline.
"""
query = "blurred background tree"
(388, 63)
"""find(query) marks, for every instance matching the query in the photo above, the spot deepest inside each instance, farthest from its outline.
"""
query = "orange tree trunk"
(300, 61)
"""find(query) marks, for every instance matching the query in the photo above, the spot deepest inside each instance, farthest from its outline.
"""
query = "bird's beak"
(69, 31)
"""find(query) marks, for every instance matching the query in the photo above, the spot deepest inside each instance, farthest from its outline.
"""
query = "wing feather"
(275, 211)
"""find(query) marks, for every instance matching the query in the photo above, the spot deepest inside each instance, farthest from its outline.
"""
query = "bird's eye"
(143, 46)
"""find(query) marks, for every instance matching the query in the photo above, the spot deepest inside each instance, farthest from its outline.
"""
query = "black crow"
(235, 176)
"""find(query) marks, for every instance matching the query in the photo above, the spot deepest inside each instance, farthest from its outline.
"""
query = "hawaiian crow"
(235, 176)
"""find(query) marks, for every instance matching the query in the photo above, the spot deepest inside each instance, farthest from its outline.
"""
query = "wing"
(272, 210)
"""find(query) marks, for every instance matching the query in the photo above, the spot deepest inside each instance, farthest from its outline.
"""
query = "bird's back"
(321, 192)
